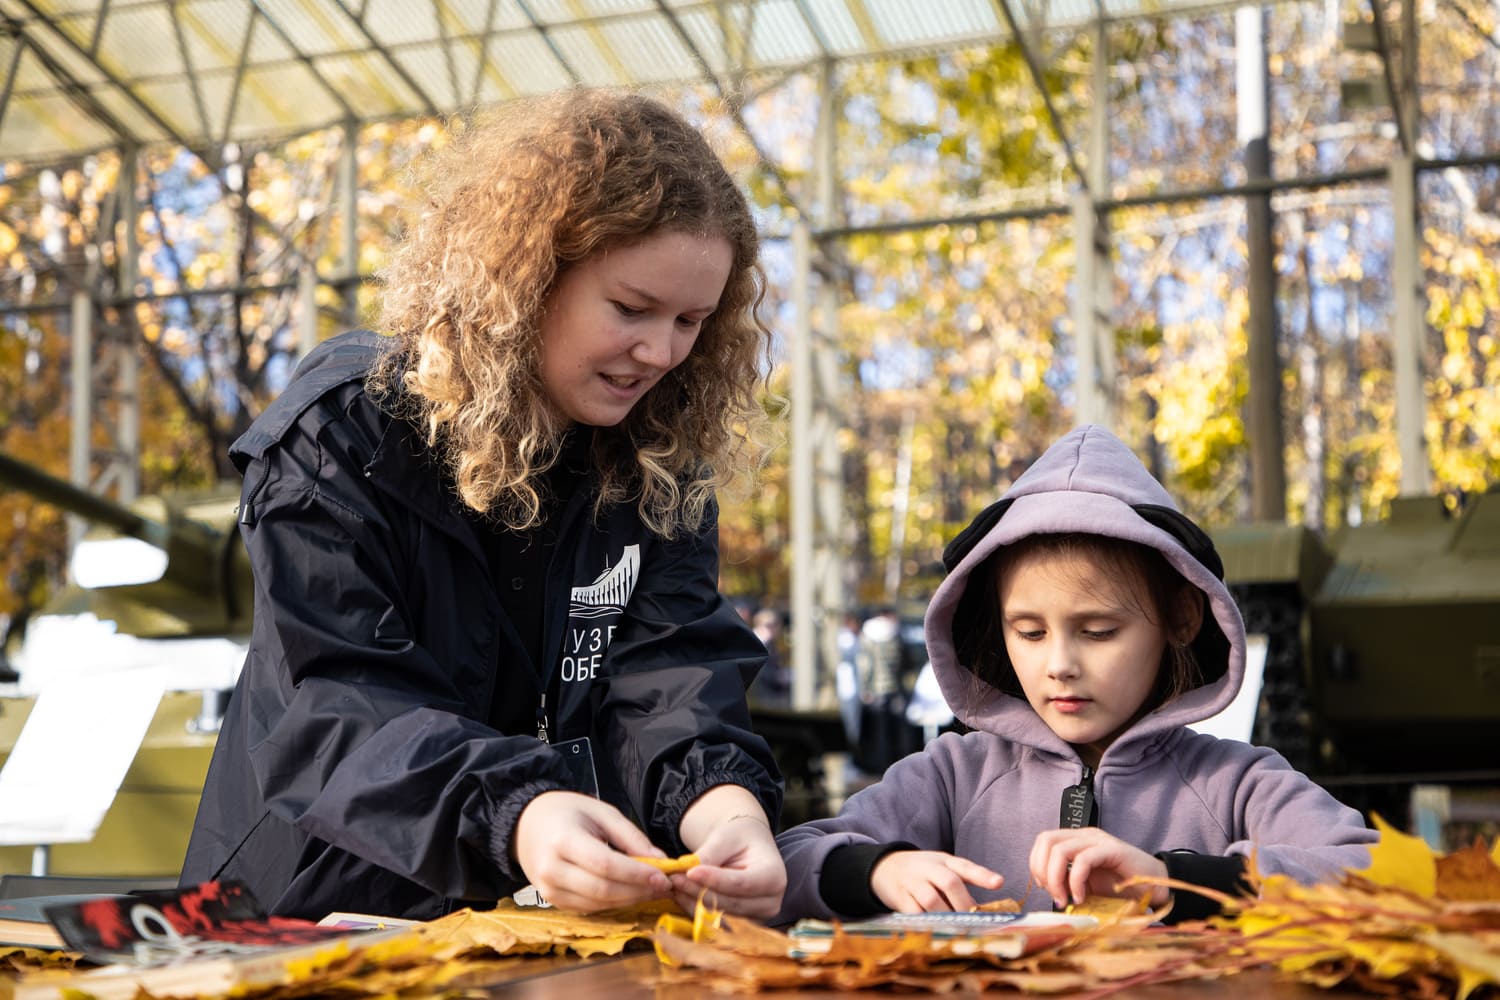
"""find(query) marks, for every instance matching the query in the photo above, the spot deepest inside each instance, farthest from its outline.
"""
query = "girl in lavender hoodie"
(1084, 623)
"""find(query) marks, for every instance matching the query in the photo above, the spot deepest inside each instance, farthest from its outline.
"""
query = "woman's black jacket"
(367, 761)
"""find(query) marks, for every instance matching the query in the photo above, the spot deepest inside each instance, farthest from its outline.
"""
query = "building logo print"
(611, 590)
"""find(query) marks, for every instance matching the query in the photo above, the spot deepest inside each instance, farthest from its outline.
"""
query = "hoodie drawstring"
(1078, 806)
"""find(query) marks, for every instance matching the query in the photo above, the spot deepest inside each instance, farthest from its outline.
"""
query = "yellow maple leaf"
(668, 866)
(509, 929)
(1401, 861)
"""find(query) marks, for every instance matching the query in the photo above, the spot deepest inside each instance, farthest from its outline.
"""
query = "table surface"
(637, 977)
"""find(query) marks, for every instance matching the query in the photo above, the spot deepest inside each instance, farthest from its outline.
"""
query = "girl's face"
(621, 318)
(1084, 652)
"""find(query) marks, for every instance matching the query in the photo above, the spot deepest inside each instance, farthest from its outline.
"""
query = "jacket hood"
(1088, 482)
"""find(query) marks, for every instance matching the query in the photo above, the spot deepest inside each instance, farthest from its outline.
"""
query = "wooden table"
(636, 977)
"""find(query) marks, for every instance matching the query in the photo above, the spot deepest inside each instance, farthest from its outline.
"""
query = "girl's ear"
(1189, 617)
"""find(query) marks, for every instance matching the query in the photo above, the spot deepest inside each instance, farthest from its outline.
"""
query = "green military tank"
(165, 583)
(1383, 645)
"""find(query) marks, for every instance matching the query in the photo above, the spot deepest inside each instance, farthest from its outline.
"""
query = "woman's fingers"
(576, 851)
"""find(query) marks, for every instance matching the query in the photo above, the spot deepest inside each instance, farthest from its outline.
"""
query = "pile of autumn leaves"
(1413, 924)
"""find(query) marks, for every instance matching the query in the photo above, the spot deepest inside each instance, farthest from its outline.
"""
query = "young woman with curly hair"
(489, 649)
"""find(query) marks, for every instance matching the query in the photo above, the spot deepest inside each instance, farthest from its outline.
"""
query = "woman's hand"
(575, 850)
(920, 881)
(738, 861)
(1073, 864)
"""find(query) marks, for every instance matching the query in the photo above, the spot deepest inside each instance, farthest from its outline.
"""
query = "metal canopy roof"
(81, 75)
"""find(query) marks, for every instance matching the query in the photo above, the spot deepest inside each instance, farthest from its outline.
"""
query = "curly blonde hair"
(512, 203)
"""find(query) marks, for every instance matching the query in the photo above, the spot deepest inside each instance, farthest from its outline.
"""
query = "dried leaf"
(669, 866)
(1388, 930)
(1401, 861)
(509, 929)
(1476, 958)
(999, 906)
(1469, 874)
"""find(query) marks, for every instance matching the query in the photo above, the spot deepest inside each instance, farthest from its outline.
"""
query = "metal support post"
(1093, 275)
(816, 472)
(1263, 414)
(1411, 406)
(827, 413)
(127, 357)
(81, 361)
(349, 205)
(804, 629)
(1090, 403)
(307, 306)
(1406, 275)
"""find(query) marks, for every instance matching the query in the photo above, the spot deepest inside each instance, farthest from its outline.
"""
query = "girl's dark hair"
(1154, 586)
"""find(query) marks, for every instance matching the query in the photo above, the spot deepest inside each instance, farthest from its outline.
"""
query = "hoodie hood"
(1088, 482)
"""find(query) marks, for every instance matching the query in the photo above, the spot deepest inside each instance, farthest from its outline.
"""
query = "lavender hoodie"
(987, 794)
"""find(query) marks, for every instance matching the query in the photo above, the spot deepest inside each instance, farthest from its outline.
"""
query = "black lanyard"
(1078, 806)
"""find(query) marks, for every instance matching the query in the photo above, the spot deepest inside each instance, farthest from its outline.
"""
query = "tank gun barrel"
(168, 564)
(77, 500)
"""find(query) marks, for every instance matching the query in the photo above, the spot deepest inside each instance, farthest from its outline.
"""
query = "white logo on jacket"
(593, 612)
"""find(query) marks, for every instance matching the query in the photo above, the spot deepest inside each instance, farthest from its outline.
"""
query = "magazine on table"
(23, 920)
(1007, 935)
(209, 938)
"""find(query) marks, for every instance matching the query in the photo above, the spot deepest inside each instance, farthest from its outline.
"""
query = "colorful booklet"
(1006, 935)
(23, 921)
(208, 939)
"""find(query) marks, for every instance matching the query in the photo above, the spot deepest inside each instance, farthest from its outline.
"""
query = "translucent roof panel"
(95, 73)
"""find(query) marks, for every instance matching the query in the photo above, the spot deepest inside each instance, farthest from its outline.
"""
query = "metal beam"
(816, 30)
(1399, 97)
(213, 161)
(547, 40)
(187, 65)
(735, 110)
(99, 18)
(10, 78)
(1263, 398)
(125, 89)
(1035, 69)
(800, 473)
(1093, 335)
(1408, 328)
(482, 63)
(305, 59)
(129, 363)
(816, 495)
(440, 14)
(81, 400)
(429, 107)
(71, 86)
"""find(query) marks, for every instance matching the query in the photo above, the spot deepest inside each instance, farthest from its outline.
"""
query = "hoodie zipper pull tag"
(1078, 803)
(541, 720)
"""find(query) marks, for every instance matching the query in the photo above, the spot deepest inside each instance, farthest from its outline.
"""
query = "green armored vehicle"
(1383, 659)
(164, 583)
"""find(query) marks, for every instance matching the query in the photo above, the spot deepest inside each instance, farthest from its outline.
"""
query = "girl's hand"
(737, 857)
(575, 850)
(919, 881)
(1073, 864)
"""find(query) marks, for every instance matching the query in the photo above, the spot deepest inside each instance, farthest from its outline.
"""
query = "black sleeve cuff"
(845, 881)
(1226, 873)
